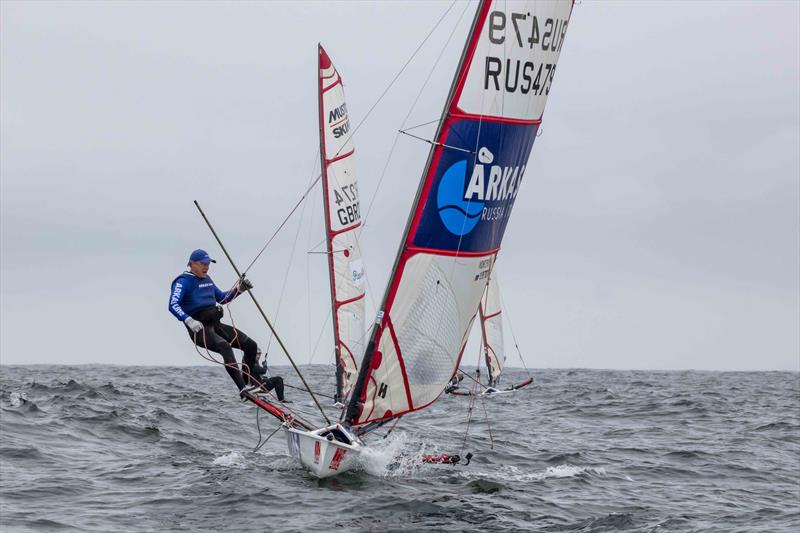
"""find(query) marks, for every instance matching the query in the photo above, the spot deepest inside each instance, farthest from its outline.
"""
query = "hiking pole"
(263, 314)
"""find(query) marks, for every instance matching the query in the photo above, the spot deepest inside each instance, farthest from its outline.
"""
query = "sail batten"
(463, 204)
(342, 218)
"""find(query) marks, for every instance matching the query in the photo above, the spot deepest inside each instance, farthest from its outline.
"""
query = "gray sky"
(658, 225)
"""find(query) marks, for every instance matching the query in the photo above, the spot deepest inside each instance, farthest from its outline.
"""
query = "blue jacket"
(190, 293)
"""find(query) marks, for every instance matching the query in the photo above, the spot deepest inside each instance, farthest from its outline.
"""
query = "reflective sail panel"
(342, 218)
(492, 330)
(464, 202)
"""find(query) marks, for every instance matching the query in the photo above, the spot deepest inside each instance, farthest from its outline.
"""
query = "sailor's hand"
(195, 325)
(244, 285)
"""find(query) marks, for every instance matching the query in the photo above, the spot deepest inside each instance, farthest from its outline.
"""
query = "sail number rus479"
(530, 32)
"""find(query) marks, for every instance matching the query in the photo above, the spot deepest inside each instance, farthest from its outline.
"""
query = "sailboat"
(331, 450)
(454, 229)
(492, 346)
(342, 219)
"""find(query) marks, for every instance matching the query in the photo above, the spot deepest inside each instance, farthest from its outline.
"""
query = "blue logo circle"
(458, 215)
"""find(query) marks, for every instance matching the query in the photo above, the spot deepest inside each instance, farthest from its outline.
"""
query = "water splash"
(396, 456)
(516, 474)
(230, 459)
(16, 399)
(567, 470)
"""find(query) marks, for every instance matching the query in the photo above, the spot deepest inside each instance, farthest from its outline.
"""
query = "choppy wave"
(230, 459)
(133, 449)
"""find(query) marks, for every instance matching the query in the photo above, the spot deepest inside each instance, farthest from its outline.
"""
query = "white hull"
(486, 393)
(495, 392)
(324, 452)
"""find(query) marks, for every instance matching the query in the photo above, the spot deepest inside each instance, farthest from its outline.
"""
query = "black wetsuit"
(222, 338)
(198, 297)
(275, 382)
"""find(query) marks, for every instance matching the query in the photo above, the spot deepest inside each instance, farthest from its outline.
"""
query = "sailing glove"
(244, 285)
(195, 325)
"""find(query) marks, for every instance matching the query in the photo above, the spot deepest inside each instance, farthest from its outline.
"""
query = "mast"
(461, 208)
(342, 217)
(328, 240)
(492, 329)
(353, 406)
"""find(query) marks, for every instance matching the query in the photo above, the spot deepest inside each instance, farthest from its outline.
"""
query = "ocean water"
(106, 448)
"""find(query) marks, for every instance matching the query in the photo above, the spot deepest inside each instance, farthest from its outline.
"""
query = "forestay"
(492, 330)
(464, 201)
(342, 217)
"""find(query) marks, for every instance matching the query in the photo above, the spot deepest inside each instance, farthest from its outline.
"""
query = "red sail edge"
(455, 230)
(342, 218)
(355, 409)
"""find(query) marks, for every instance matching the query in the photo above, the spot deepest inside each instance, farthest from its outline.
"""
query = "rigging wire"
(421, 125)
(258, 425)
(246, 372)
(467, 375)
(311, 250)
(434, 143)
(474, 394)
(308, 271)
(408, 62)
(470, 406)
(455, 258)
(319, 337)
(304, 196)
(507, 319)
(355, 129)
(411, 110)
(282, 224)
(370, 292)
(303, 390)
(260, 310)
(488, 422)
(289, 265)
(396, 420)
(405, 120)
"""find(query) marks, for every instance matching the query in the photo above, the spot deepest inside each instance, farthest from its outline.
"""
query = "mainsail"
(342, 217)
(463, 203)
(492, 330)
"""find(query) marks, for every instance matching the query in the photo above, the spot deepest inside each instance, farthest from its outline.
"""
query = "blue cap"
(201, 256)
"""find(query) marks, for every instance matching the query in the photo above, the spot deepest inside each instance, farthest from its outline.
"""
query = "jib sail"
(342, 218)
(464, 201)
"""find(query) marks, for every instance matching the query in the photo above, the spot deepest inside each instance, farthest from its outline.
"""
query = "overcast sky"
(658, 226)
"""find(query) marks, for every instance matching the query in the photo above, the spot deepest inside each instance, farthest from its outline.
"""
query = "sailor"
(268, 383)
(453, 384)
(194, 300)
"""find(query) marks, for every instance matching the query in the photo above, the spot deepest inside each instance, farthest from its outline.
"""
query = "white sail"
(463, 204)
(342, 217)
(492, 330)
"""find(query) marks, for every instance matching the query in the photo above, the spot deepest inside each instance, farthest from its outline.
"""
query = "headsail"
(342, 217)
(492, 330)
(462, 207)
